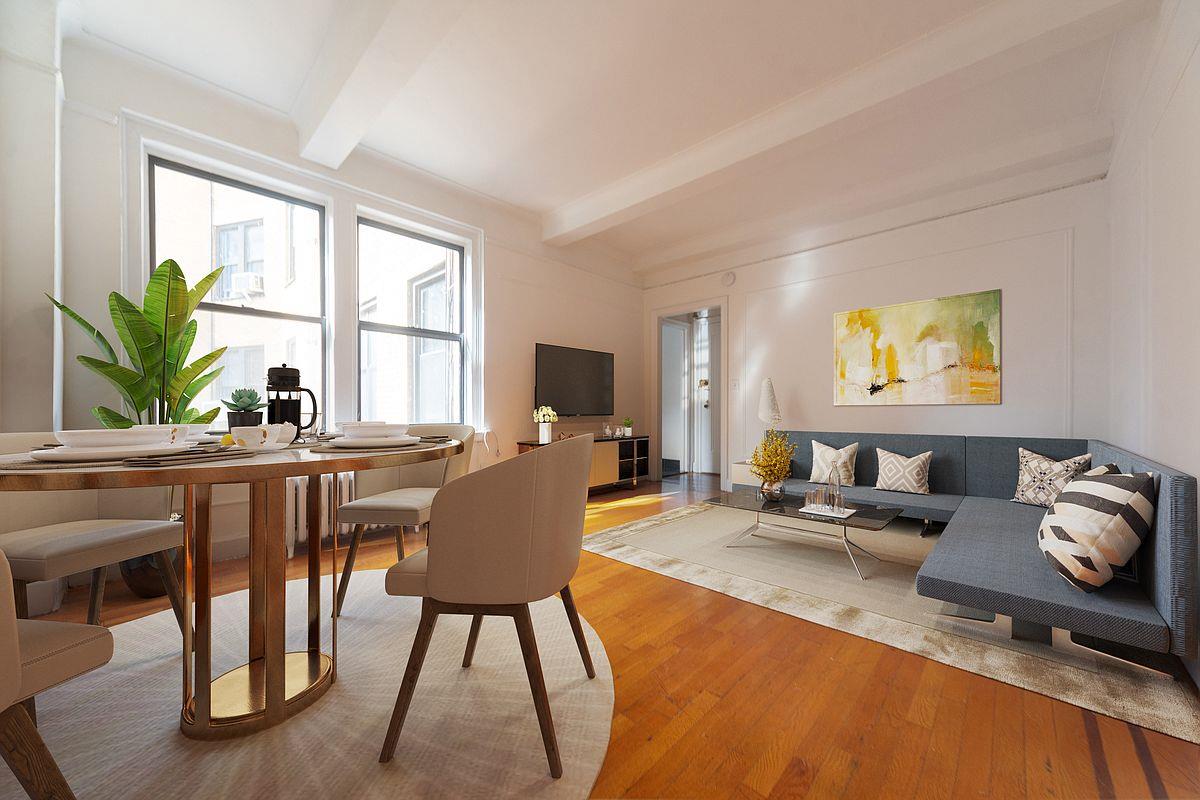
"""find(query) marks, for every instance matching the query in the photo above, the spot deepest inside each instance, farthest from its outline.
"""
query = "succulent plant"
(244, 400)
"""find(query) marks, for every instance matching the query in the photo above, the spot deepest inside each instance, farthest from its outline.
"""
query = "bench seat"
(988, 558)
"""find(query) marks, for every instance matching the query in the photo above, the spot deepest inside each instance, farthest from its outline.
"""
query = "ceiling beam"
(372, 49)
(994, 41)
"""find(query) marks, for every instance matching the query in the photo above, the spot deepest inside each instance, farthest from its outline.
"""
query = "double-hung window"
(410, 323)
(268, 307)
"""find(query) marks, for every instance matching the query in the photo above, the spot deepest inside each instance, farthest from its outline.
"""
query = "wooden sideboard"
(616, 461)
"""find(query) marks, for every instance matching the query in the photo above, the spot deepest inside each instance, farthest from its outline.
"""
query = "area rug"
(817, 583)
(470, 733)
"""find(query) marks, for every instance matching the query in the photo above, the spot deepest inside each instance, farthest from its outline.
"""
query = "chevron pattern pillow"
(1040, 478)
(1096, 525)
(899, 473)
(824, 457)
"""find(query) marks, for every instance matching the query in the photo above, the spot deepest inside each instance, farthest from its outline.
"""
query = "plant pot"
(629, 430)
(544, 434)
(771, 491)
(243, 419)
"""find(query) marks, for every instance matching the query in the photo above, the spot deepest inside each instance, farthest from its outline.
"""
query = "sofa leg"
(1164, 663)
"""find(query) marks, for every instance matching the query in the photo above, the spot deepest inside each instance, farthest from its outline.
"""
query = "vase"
(243, 419)
(771, 491)
(629, 430)
(544, 435)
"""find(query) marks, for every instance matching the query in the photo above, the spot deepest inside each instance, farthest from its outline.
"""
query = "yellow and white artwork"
(944, 351)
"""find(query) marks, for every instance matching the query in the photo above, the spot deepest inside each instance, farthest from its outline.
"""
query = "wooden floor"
(719, 698)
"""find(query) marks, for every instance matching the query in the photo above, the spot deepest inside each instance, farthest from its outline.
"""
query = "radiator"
(296, 518)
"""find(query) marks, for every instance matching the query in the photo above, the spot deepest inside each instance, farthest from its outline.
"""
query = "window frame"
(406, 330)
(153, 162)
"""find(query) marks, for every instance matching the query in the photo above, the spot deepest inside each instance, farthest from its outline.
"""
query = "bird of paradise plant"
(158, 387)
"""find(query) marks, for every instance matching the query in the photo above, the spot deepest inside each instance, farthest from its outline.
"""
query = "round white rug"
(469, 732)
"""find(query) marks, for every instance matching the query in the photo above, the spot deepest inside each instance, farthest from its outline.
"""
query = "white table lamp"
(768, 405)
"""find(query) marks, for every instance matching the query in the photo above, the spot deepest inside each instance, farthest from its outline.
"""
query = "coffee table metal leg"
(742, 535)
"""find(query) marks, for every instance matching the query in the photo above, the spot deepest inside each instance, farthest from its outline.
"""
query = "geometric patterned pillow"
(1095, 525)
(824, 458)
(902, 474)
(1040, 479)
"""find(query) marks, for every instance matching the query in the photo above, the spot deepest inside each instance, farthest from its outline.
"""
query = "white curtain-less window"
(410, 326)
(268, 307)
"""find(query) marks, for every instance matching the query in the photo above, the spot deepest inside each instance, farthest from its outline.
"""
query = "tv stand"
(617, 461)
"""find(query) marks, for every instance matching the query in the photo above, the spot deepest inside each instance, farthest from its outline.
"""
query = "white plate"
(375, 441)
(372, 430)
(61, 454)
(115, 437)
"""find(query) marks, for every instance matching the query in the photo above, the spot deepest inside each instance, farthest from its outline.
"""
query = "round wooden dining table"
(273, 684)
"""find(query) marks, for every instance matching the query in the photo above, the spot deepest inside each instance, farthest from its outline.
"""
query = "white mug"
(254, 437)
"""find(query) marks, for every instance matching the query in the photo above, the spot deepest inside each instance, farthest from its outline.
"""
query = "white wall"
(1047, 254)
(583, 297)
(1155, 194)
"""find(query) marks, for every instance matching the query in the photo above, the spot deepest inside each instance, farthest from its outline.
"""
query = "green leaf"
(141, 340)
(166, 302)
(177, 353)
(205, 418)
(197, 293)
(183, 379)
(96, 336)
(194, 388)
(136, 389)
(111, 419)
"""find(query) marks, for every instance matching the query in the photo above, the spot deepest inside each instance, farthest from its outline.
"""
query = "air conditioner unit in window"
(247, 283)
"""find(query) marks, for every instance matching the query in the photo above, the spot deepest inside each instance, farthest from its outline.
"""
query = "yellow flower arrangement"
(772, 459)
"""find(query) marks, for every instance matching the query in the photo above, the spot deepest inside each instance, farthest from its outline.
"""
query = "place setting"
(375, 436)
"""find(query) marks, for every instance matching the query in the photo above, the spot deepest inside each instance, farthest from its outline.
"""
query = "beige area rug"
(817, 583)
(470, 733)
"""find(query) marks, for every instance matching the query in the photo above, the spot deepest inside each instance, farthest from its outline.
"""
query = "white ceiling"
(673, 129)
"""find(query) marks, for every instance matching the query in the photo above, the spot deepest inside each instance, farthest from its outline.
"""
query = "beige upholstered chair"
(34, 656)
(50, 535)
(407, 506)
(500, 539)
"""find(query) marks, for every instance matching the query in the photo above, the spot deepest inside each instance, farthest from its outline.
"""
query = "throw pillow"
(1040, 479)
(824, 457)
(1095, 525)
(903, 474)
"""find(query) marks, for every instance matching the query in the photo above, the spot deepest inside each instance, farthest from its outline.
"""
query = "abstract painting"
(944, 351)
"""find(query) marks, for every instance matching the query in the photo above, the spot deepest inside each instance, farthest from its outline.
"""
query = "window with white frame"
(268, 307)
(410, 322)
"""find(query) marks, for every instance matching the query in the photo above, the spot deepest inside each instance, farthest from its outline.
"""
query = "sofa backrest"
(1167, 567)
(992, 461)
(945, 470)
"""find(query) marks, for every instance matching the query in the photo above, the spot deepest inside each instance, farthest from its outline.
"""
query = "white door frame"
(653, 335)
(685, 463)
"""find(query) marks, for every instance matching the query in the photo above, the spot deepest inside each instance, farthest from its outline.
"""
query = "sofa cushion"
(939, 507)
(899, 473)
(825, 457)
(988, 558)
(1040, 478)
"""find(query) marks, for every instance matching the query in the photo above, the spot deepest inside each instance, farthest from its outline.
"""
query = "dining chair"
(404, 507)
(51, 535)
(34, 656)
(500, 539)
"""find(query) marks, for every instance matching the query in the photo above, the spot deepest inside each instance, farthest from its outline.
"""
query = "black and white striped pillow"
(1096, 524)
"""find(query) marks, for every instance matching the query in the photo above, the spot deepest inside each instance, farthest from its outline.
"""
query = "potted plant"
(543, 416)
(244, 405)
(771, 463)
(157, 387)
(628, 423)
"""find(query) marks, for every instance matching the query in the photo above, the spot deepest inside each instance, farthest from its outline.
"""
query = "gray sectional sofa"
(987, 557)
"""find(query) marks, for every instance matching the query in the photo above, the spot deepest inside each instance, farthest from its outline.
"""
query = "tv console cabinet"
(616, 461)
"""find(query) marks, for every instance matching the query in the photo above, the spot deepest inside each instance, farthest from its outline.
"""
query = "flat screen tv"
(574, 382)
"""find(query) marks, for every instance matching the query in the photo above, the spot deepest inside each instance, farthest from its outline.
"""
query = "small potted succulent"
(628, 423)
(543, 416)
(244, 405)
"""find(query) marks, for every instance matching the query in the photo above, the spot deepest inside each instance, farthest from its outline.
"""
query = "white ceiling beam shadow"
(993, 41)
(1079, 142)
(371, 51)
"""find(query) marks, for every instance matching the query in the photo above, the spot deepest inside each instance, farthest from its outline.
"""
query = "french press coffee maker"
(283, 398)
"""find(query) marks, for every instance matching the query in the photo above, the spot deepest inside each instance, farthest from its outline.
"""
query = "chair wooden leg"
(472, 639)
(400, 542)
(537, 685)
(348, 568)
(21, 595)
(413, 671)
(26, 755)
(30, 704)
(166, 571)
(96, 599)
(577, 629)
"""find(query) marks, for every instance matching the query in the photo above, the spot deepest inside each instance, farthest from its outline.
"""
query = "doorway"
(690, 379)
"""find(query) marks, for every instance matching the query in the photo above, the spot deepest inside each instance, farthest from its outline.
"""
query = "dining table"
(273, 684)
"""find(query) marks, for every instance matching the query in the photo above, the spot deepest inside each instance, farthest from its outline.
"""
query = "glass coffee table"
(787, 517)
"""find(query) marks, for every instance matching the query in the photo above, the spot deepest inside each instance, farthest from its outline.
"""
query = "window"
(411, 346)
(268, 307)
